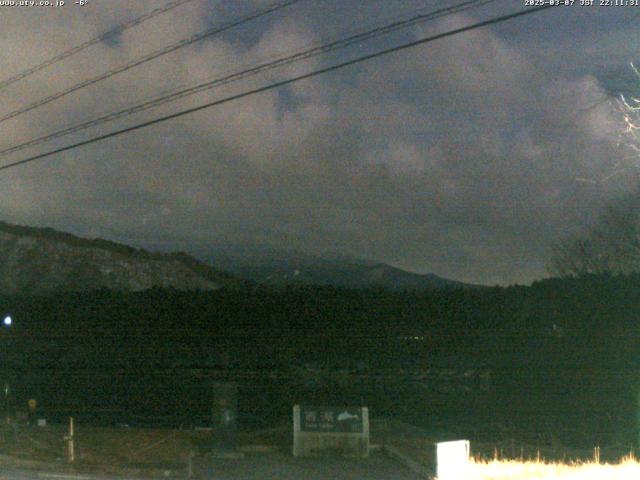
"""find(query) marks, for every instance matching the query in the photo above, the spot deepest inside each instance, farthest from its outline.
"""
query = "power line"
(78, 48)
(260, 68)
(281, 83)
(152, 56)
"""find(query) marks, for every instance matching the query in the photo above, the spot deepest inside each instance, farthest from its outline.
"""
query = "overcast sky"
(466, 157)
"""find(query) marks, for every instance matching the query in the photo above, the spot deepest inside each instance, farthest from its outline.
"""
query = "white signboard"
(343, 429)
(453, 460)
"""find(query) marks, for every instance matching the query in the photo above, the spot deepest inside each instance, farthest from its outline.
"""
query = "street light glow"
(7, 320)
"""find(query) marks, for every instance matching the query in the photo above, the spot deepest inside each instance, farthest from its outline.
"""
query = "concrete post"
(365, 431)
(297, 451)
(70, 438)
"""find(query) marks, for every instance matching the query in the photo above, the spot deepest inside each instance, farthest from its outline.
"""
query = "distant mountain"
(289, 267)
(42, 260)
(353, 275)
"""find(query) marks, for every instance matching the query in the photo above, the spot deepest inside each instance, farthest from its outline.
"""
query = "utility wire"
(151, 56)
(78, 48)
(281, 83)
(266, 66)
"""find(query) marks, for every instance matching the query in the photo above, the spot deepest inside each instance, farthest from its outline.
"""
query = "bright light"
(540, 470)
(7, 320)
(453, 460)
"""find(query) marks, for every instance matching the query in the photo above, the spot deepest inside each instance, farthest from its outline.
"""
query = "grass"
(120, 446)
(628, 468)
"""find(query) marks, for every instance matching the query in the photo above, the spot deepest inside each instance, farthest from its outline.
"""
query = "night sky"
(467, 157)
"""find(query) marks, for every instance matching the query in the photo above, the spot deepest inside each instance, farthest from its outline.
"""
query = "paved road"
(11, 474)
(285, 467)
(263, 467)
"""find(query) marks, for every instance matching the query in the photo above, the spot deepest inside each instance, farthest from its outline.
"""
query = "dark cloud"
(467, 157)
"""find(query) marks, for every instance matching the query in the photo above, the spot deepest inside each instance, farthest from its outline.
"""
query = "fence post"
(71, 446)
(190, 464)
(297, 437)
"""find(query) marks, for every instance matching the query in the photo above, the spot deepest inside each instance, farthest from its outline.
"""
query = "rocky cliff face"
(39, 261)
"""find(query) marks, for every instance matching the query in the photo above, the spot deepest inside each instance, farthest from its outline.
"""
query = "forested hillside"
(557, 351)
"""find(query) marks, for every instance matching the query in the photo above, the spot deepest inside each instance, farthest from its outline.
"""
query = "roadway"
(260, 466)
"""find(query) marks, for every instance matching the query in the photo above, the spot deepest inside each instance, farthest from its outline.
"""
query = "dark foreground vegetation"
(563, 355)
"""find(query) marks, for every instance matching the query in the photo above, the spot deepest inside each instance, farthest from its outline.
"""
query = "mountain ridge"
(43, 260)
(281, 267)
